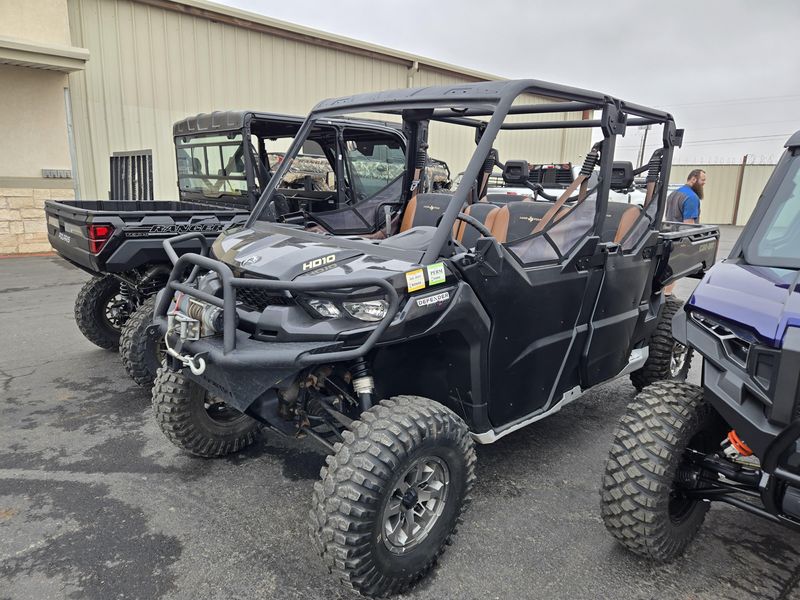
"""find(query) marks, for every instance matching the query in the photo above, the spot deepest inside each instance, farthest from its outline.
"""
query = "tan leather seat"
(484, 212)
(518, 219)
(620, 217)
(628, 219)
(424, 209)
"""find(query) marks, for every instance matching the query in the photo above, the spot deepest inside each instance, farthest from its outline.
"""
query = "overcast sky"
(728, 70)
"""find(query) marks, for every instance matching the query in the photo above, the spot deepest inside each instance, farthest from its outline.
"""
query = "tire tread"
(86, 305)
(657, 366)
(135, 346)
(172, 408)
(345, 498)
(645, 453)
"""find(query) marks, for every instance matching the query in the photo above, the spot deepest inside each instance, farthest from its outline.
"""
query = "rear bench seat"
(514, 220)
(518, 219)
(620, 217)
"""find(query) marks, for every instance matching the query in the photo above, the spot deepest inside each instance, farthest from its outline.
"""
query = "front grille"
(258, 299)
(735, 347)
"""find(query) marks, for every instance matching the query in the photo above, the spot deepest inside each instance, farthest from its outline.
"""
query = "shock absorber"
(363, 384)
(129, 301)
(733, 447)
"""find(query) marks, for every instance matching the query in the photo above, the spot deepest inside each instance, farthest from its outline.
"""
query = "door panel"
(621, 304)
(539, 320)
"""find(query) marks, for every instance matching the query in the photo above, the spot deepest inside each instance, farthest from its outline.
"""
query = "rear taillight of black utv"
(98, 236)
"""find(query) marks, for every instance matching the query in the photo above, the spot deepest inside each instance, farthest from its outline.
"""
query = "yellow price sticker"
(415, 280)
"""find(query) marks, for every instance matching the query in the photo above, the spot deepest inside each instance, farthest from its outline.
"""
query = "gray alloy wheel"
(417, 502)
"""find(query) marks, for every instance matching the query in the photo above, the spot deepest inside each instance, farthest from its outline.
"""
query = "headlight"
(324, 308)
(367, 310)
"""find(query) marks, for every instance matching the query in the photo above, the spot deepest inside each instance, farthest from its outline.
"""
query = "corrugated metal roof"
(246, 19)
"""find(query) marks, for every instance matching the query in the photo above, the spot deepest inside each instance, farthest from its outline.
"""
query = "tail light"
(98, 236)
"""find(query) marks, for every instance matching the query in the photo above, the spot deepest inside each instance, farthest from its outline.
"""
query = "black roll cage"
(459, 104)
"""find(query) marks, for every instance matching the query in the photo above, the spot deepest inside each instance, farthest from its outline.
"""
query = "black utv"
(734, 438)
(401, 327)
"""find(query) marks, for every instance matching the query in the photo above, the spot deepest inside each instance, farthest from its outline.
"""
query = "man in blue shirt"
(683, 205)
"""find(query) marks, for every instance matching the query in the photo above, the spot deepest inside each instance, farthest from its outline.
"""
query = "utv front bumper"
(237, 367)
(754, 387)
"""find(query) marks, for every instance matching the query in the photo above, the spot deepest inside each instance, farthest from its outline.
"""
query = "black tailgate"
(137, 229)
(689, 250)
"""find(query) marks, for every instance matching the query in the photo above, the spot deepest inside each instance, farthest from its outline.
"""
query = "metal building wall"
(755, 178)
(152, 66)
(720, 191)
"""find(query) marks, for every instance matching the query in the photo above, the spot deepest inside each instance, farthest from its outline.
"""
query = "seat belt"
(581, 180)
(419, 170)
(486, 172)
(652, 177)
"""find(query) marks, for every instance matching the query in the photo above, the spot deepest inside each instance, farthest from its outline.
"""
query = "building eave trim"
(36, 55)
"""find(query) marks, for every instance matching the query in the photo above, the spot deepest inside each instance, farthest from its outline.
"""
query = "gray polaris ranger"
(401, 327)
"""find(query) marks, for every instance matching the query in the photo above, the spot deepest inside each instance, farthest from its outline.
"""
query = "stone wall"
(22, 224)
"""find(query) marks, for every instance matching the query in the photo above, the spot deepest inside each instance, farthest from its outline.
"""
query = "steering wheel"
(470, 220)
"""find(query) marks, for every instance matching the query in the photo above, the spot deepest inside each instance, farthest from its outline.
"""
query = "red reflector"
(98, 236)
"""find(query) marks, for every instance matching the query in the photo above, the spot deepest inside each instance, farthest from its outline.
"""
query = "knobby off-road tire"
(141, 354)
(90, 311)
(181, 410)
(356, 521)
(639, 503)
(668, 359)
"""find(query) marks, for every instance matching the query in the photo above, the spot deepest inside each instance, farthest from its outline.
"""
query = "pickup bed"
(119, 236)
(690, 250)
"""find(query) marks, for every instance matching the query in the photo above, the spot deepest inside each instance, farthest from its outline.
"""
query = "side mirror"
(516, 172)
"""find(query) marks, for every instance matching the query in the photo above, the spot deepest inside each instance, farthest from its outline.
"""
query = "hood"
(765, 300)
(288, 256)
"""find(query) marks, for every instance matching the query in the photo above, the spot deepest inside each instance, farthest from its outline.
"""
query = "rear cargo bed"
(690, 250)
(131, 230)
